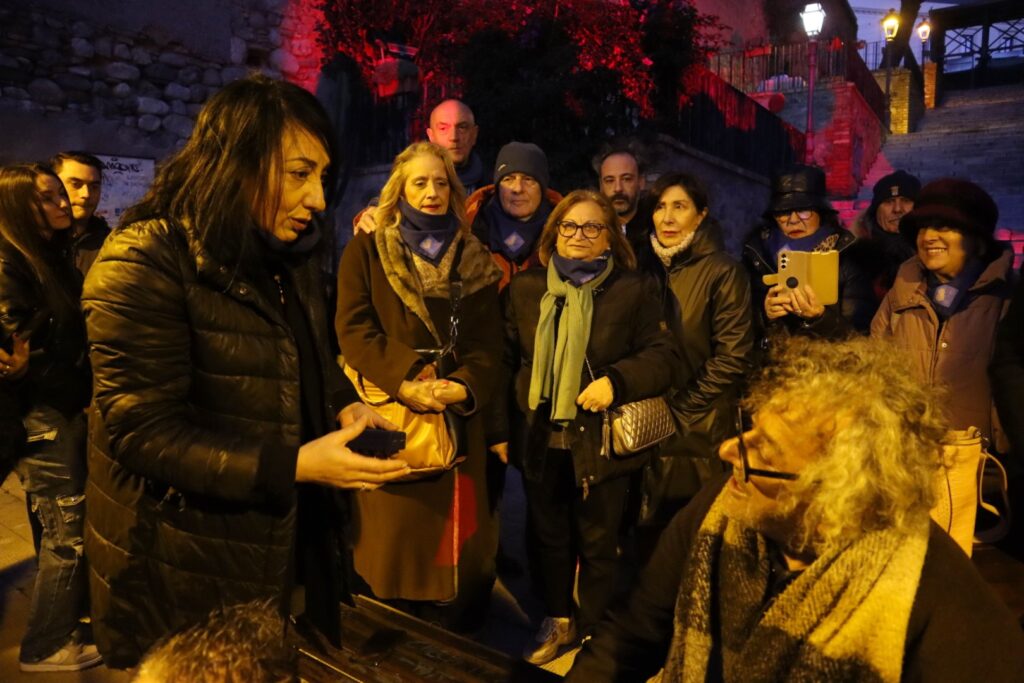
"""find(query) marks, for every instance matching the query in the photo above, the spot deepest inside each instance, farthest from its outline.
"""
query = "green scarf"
(559, 351)
(844, 618)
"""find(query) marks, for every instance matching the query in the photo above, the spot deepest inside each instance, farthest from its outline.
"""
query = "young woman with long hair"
(39, 295)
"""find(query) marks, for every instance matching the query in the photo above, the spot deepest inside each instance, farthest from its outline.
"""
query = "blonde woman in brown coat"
(947, 300)
(430, 542)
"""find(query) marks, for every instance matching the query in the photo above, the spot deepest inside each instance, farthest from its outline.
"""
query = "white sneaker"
(554, 633)
(74, 656)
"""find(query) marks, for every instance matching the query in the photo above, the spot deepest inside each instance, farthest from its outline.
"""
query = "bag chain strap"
(606, 421)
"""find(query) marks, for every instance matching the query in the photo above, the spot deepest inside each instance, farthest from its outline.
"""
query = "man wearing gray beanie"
(509, 215)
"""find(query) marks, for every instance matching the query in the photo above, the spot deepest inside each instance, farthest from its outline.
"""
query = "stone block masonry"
(69, 78)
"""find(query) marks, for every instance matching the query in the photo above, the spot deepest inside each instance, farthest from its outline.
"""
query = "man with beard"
(816, 559)
(622, 180)
(82, 175)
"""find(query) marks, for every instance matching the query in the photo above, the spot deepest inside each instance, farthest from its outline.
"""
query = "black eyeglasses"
(590, 230)
(748, 471)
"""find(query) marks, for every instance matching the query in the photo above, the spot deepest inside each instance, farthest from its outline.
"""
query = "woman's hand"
(805, 303)
(777, 302)
(802, 302)
(353, 411)
(14, 365)
(328, 461)
(448, 392)
(419, 396)
(598, 395)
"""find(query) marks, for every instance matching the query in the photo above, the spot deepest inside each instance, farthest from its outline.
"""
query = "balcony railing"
(784, 69)
(722, 121)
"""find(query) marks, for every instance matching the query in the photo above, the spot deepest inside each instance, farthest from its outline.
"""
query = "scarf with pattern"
(844, 618)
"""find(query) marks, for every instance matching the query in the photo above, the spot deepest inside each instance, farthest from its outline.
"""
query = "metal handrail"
(784, 68)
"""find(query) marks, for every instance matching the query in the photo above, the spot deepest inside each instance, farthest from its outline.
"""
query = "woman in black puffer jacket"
(39, 294)
(706, 296)
(586, 334)
(216, 391)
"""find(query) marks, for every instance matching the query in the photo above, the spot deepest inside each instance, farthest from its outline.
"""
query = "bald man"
(453, 127)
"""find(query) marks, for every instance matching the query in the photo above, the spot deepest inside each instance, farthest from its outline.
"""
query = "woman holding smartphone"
(800, 218)
(215, 452)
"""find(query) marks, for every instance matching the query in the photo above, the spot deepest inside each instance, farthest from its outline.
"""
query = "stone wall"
(745, 20)
(906, 100)
(127, 78)
(929, 71)
(848, 135)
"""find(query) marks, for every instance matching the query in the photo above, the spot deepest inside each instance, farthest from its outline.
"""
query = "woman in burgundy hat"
(947, 301)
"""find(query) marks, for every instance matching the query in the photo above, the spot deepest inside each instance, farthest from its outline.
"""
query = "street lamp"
(924, 29)
(813, 18)
(890, 24)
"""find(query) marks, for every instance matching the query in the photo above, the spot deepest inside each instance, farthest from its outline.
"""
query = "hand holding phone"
(377, 443)
(799, 269)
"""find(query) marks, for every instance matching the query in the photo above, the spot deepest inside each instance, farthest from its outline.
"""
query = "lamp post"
(924, 29)
(813, 18)
(890, 24)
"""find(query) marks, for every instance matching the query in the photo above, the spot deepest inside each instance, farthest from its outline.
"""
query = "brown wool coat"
(404, 533)
(957, 353)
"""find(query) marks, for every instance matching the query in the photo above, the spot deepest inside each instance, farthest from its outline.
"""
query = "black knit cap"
(522, 157)
(953, 203)
(800, 187)
(897, 184)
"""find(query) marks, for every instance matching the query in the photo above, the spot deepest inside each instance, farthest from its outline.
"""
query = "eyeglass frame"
(580, 228)
(779, 215)
(749, 471)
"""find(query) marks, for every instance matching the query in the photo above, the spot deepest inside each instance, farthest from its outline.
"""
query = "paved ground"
(508, 630)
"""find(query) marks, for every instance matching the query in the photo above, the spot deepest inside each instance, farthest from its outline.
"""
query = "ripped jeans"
(52, 473)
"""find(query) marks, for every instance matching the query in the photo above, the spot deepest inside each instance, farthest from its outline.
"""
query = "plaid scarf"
(844, 618)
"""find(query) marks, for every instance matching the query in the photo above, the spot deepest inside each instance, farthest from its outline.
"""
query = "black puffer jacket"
(629, 343)
(706, 296)
(857, 301)
(193, 436)
(58, 371)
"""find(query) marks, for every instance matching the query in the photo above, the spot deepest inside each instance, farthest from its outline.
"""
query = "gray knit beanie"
(522, 157)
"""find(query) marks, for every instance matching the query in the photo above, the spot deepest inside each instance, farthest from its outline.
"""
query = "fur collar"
(476, 268)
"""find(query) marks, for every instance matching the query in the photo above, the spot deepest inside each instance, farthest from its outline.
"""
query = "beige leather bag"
(959, 486)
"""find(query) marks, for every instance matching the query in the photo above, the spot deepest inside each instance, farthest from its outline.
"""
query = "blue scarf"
(948, 297)
(580, 272)
(514, 239)
(426, 234)
(778, 242)
(471, 174)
